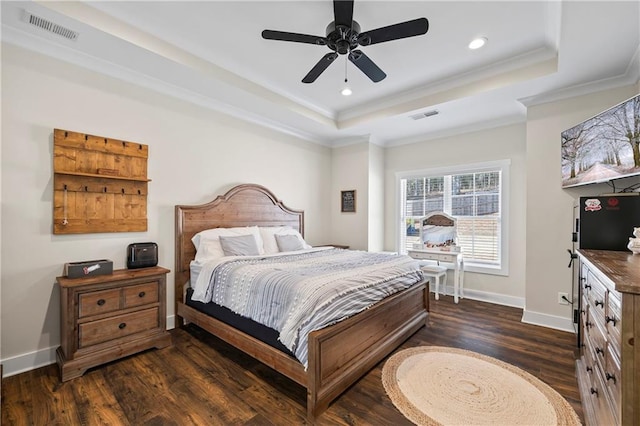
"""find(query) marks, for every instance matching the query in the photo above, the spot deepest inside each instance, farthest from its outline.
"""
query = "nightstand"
(340, 246)
(106, 317)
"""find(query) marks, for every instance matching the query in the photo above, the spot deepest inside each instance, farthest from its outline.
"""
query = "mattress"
(254, 329)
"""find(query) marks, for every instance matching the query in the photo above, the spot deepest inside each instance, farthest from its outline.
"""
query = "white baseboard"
(549, 321)
(43, 357)
(528, 317)
(29, 361)
(485, 296)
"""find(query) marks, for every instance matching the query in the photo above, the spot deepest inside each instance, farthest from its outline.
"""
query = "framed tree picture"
(348, 201)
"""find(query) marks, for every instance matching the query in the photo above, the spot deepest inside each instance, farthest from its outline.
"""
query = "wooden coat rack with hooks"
(100, 184)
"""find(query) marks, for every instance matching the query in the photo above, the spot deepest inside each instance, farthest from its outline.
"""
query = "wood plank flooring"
(201, 380)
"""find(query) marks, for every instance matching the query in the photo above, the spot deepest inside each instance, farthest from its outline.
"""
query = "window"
(476, 195)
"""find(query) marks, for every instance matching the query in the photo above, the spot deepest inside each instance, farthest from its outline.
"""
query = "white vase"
(634, 244)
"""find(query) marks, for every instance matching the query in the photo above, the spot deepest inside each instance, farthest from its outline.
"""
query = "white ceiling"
(212, 53)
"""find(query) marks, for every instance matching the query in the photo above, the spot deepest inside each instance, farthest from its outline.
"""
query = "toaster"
(142, 255)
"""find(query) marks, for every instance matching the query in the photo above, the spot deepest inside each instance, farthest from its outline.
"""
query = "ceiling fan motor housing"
(341, 38)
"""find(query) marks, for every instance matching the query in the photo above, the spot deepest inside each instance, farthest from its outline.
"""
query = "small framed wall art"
(348, 201)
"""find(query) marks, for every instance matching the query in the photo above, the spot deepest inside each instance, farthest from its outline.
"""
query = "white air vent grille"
(49, 26)
(423, 115)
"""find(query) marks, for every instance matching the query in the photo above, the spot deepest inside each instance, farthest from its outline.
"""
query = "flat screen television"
(604, 147)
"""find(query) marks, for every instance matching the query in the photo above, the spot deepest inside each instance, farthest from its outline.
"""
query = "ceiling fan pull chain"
(345, 67)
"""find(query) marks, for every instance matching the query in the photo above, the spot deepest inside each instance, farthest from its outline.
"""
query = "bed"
(339, 354)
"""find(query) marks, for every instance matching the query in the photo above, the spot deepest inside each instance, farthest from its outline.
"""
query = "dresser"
(608, 369)
(106, 317)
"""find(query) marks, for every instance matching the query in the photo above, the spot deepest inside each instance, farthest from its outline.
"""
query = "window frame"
(504, 167)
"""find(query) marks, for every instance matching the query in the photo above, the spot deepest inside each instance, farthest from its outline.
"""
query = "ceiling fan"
(344, 37)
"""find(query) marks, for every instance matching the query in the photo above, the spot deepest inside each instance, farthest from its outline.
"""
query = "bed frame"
(340, 354)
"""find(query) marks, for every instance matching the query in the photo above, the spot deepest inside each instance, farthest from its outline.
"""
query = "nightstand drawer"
(142, 294)
(95, 332)
(98, 302)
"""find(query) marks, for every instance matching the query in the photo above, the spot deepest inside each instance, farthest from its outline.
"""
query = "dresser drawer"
(141, 294)
(595, 340)
(597, 397)
(612, 380)
(99, 331)
(613, 320)
(596, 297)
(98, 302)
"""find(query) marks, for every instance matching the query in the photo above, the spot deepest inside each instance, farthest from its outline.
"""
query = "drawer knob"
(600, 303)
(141, 294)
(122, 325)
(588, 324)
(589, 369)
(611, 319)
(594, 391)
(611, 377)
(101, 302)
(587, 286)
(599, 351)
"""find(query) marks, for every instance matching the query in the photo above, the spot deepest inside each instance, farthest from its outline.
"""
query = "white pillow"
(288, 242)
(241, 245)
(269, 242)
(207, 242)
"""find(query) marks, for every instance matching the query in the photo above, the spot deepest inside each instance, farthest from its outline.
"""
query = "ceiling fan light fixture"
(477, 43)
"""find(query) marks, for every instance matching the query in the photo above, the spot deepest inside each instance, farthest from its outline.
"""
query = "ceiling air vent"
(423, 115)
(49, 26)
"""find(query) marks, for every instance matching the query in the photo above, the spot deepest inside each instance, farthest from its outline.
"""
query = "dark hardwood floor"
(200, 380)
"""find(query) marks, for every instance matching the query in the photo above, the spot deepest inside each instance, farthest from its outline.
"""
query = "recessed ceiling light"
(346, 91)
(477, 43)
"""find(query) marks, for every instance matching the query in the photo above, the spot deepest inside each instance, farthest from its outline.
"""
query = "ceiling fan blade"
(343, 12)
(366, 65)
(394, 32)
(320, 67)
(295, 37)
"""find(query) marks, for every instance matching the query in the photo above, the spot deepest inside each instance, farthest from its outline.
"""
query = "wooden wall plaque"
(99, 184)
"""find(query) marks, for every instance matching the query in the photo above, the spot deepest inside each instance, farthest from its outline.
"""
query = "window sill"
(480, 268)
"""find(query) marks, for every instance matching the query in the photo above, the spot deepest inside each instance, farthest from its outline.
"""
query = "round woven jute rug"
(433, 385)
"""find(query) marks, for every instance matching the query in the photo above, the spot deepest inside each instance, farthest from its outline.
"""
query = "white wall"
(350, 171)
(194, 154)
(359, 166)
(550, 208)
(488, 145)
(376, 198)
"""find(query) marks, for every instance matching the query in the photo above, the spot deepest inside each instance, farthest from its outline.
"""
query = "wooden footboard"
(339, 355)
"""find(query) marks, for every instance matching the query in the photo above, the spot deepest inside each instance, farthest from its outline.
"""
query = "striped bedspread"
(304, 291)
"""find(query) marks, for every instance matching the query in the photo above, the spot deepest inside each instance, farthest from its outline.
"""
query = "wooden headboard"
(243, 205)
